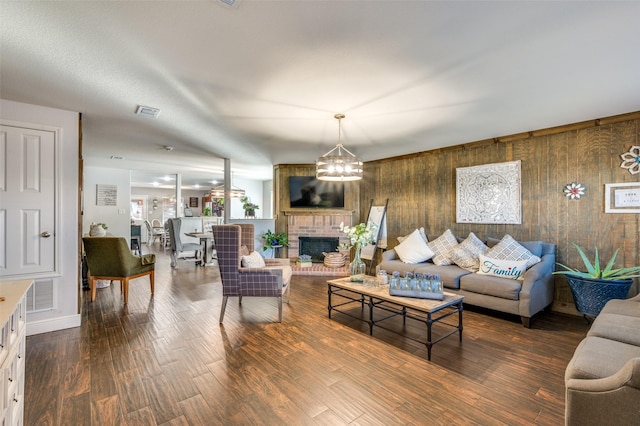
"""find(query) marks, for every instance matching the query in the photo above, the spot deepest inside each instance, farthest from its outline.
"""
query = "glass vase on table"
(357, 267)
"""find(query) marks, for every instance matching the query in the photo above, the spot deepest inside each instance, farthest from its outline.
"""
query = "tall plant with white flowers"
(359, 235)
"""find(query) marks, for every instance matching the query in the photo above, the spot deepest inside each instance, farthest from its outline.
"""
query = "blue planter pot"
(590, 295)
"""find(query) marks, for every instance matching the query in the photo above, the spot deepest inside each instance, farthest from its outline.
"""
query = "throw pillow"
(463, 258)
(513, 269)
(535, 247)
(413, 249)
(465, 254)
(254, 260)
(510, 249)
(422, 234)
(441, 247)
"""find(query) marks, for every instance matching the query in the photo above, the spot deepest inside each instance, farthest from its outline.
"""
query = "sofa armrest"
(537, 287)
(610, 400)
(628, 375)
(389, 255)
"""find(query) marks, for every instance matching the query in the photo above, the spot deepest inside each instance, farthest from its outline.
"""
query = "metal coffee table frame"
(429, 312)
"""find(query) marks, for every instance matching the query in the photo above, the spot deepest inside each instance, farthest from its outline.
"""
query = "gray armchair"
(177, 247)
(270, 281)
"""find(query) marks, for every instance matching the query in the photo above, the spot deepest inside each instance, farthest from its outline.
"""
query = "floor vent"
(40, 296)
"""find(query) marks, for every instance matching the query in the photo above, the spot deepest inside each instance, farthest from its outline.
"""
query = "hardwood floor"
(166, 360)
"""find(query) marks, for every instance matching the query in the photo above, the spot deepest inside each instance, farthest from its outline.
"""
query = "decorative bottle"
(357, 267)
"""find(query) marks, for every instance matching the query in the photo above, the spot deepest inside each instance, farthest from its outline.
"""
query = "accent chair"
(110, 258)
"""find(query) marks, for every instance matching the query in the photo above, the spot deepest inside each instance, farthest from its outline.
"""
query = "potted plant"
(592, 288)
(98, 229)
(274, 240)
(249, 207)
(359, 236)
(218, 206)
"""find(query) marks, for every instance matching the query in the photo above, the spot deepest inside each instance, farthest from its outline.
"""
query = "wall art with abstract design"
(489, 194)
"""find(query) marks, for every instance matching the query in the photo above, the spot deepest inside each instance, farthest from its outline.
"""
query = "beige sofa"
(602, 379)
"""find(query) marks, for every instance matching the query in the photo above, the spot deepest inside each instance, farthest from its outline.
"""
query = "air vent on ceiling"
(228, 4)
(148, 111)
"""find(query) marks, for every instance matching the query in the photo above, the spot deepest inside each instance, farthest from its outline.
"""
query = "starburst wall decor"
(574, 190)
(631, 160)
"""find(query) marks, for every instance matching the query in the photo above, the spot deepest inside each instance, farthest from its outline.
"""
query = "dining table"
(206, 238)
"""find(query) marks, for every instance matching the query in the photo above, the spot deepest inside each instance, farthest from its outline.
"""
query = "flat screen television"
(308, 192)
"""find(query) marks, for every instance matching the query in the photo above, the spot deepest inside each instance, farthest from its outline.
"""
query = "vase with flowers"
(359, 236)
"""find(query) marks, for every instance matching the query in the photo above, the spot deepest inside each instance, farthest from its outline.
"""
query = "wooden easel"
(377, 216)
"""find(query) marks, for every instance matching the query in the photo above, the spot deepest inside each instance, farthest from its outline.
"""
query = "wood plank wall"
(421, 190)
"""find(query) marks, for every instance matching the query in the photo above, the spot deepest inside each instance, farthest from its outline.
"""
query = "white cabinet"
(13, 312)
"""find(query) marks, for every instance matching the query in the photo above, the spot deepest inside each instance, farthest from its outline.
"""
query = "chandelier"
(339, 165)
(218, 191)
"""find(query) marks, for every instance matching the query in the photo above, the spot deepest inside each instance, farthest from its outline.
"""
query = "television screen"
(309, 192)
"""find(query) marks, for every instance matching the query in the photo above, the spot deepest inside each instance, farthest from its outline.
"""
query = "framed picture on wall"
(622, 197)
(193, 201)
(489, 194)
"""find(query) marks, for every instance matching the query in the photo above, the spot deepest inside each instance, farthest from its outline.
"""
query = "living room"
(551, 85)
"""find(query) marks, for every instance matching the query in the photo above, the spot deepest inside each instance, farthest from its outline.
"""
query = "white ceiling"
(260, 82)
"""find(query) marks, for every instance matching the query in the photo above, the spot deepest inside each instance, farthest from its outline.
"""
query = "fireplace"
(315, 246)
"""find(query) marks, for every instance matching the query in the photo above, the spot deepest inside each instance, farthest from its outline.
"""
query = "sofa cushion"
(287, 272)
(510, 269)
(596, 358)
(413, 249)
(441, 247)
(465, 254)
(449, 275)
(622, 328)
(629, 307)
(504, 288)
(510, 249)
(254, 260)
(399, 266)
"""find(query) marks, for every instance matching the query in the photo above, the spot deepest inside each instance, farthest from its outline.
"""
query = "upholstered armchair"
(268, 281)
(177, 247)
(110, 258)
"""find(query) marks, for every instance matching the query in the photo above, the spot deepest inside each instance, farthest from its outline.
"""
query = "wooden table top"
(382, 293)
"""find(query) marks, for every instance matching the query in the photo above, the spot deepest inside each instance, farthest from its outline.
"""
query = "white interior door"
(27, 207)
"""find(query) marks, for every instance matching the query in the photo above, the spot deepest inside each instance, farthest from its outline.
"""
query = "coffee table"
(424, 310)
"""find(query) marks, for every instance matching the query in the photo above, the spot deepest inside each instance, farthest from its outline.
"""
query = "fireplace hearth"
(316, 246)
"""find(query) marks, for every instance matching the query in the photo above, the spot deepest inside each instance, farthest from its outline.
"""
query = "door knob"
(45, 234)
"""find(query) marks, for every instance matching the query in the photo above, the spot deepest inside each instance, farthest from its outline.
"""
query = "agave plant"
(595, 272)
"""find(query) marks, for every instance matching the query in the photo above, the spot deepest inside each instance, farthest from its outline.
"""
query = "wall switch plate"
(120, 211)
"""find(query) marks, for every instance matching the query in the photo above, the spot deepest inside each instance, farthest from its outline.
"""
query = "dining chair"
(154, 233)
(178, 247)
(267, 281)
(110, 258)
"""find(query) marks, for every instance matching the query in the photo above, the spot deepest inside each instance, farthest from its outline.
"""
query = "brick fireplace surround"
(316, 224)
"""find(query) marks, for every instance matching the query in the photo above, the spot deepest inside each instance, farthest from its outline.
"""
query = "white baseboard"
(48, 325)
